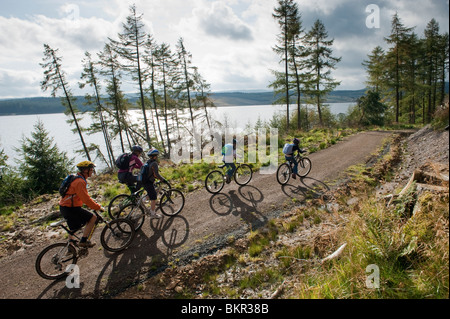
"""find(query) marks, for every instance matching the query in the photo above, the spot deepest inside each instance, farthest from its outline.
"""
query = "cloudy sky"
(231, 40)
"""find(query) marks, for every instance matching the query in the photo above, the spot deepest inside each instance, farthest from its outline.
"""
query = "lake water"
(14, 128)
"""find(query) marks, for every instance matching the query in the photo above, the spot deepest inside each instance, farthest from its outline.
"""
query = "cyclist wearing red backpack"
(125, 174)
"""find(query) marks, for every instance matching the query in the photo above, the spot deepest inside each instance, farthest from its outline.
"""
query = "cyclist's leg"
(132, 188)
(77, 217)
(295, 168)
(291, 159)
(152, 196)
(132, 183)
(88, 229)
(231, 167)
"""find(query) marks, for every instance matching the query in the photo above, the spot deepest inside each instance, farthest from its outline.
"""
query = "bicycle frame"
(98, 220)
(54, 257)
(226, 169)
(139, 194)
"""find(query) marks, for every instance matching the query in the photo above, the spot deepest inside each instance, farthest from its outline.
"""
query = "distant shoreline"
(50, 105)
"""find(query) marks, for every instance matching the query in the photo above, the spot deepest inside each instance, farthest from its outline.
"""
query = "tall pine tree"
(55, 79)
(130, 47)
(395, 57)
(287, 16)
(320, 62)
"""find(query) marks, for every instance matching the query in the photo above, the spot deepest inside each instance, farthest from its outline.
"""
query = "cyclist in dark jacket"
(291, 158)
(153, 172)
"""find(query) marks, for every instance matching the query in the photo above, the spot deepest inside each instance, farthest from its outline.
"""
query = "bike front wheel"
(53, 261)
(117, 203)
(134, 213)
(243, 174)
(214, 182)
(284, 173)
(117, 235)
(304, 166)
(161, 187)
(171, 202)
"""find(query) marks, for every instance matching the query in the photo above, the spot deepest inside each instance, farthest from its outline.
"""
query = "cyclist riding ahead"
(229, 154)
(289, 150)
(148, 180)
(71, 203)
(125, 175)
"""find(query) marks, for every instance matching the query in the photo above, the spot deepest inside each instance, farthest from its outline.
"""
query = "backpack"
(143, 174)
(287, 149)
(123, 161)
(227, 150)
(66, 184)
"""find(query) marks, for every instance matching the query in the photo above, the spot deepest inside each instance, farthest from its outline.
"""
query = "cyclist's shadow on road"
(145, 256)
(307, 188)
(243, 203)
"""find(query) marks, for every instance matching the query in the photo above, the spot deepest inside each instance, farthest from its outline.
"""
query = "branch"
(335, 254)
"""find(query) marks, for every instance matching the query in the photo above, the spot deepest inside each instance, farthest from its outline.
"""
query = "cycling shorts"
(76, 217)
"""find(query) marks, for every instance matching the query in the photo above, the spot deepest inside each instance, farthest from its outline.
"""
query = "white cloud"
(219, 20)
(22, 47)
(231, 40)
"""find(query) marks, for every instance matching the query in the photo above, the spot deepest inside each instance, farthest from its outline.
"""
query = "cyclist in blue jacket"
(229, 155)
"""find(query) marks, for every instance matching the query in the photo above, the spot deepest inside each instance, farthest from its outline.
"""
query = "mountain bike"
(284, 171)
(171, 203)
(215, 180)
(120, 201)
(52, 261)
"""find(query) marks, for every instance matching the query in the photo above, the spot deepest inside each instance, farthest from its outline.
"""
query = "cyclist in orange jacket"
(71, 204)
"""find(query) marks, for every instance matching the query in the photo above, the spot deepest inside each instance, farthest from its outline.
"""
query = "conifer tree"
(320, 62)
(111, 70)
(166, 62)
(90, 77)
(395, 56)
(130, 47)
(185, 61)
(43, 165)
(287, 16)
(375, 67)
(55, 79)
(152, 67)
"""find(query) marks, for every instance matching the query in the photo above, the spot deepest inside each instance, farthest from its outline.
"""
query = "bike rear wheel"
(284, 172)
(214, 182)
(52, 262)
(243, 174)
(134, 213)
(171, 202)
(304, 166)
(117, 235)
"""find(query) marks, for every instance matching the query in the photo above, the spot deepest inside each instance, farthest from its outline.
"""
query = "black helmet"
(137, 148)
(296, 141)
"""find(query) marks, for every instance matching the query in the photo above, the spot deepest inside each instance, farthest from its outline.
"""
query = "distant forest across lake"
(46, 105)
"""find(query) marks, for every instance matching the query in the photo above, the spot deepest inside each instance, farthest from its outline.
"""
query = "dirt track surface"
(205, 224)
